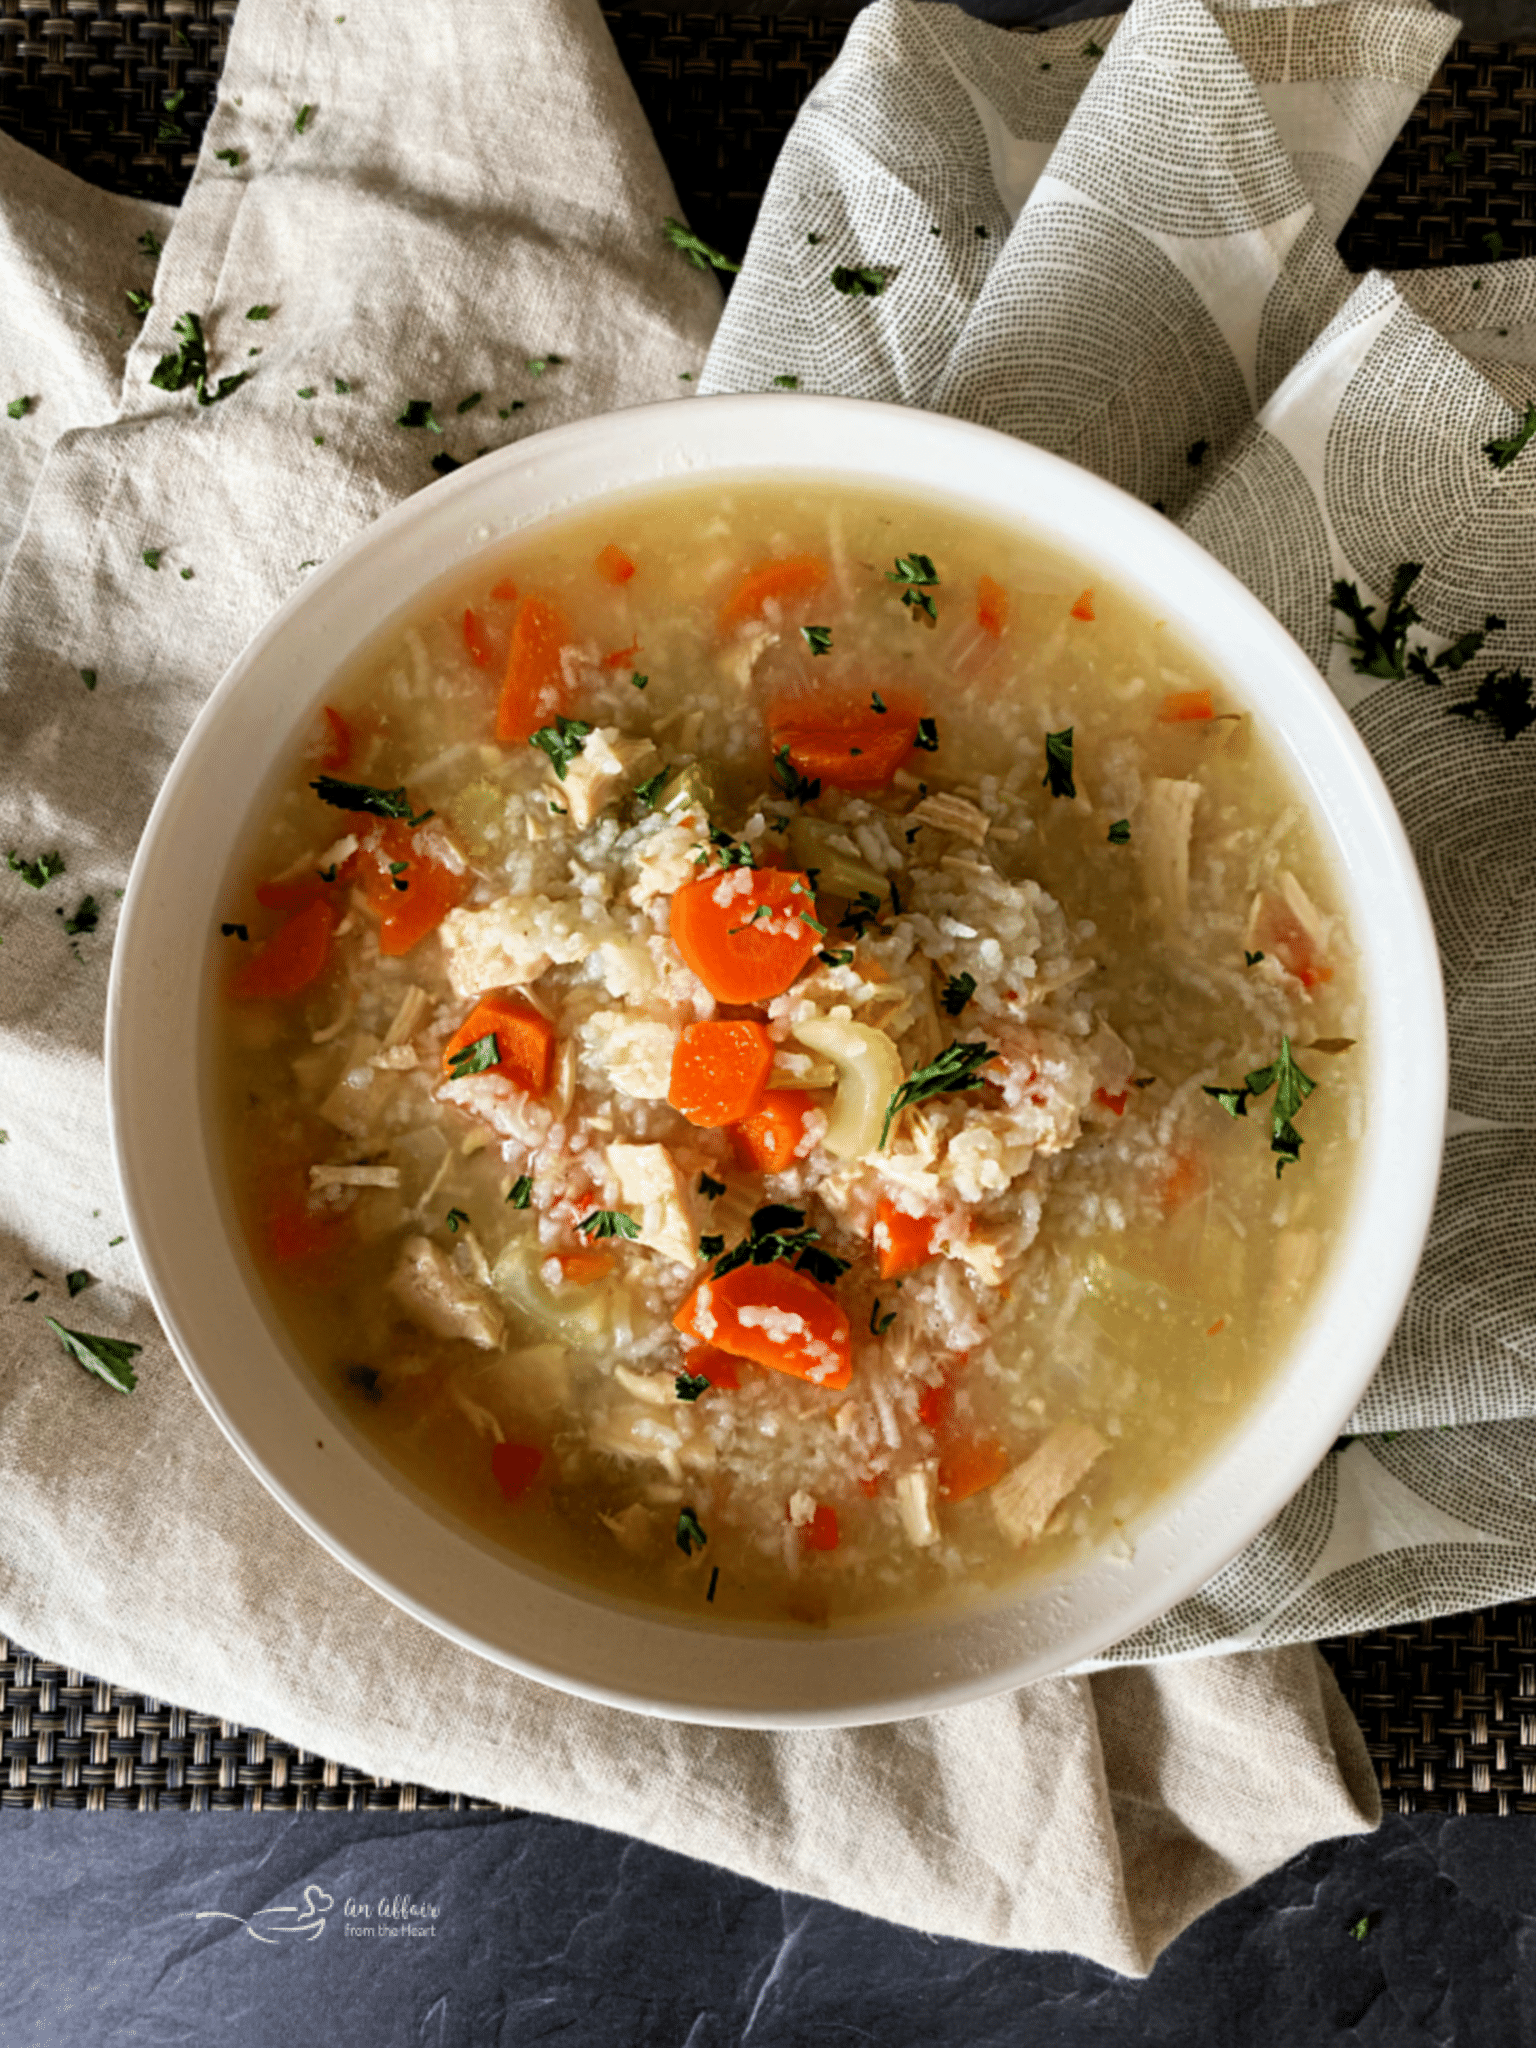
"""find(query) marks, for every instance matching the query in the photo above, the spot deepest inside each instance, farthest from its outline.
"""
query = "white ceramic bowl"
(274, 1411)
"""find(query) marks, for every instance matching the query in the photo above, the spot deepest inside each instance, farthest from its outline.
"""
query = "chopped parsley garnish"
(1120, 832)
(537, 365)
(302, 118)
(710, 1189)
(1058, 764)
(647, 790)
(919, 579)
(86, 918)
(455, 1217)
(140, 304)
(1091, 49)
(364, 796)
(690, 1385)
(150, 243)
(109, 1358)
(329, 874)
(711, 1247)
(505, 412)
(170, 129)
(18, 408)
(366, 1380)
(798, 788)
(340, 386)
(866, 281)
(780, 1234)
(817, 638)
(88, 677)
(1291, 1086)
(877, 702)
(714, 1580)
(1379, 648)
(1196, 453)
(879, 1324)
(259, 312)
(445, 464)
(861, 912)
(187, 364)
(638, 681)
(608, 1223)
(35, 873)
(151, 557)
(235, 931)
(476, 1058)
(78, 1281)
(228, 156)
(562, 742)
(1251, 959)
(186, 575)
(958, 991)
(701, 254)
(837, 959)
(1504, 699)
(308, 391)
(1457, 655)
(927, 740)
(957, 1067)
(690, 1531)
(520, 1194)
(1362, 1926)
(418, 413)
(469, 404)
(786, 383)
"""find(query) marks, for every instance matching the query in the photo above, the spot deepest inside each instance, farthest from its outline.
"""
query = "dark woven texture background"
(1448, 1706)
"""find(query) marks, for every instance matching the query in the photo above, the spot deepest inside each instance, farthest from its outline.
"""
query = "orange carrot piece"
(504, 592)
(788, 581)
(1278, 930)
(718, 1367)
(514, 1467)
(1083, 609)
(406, 915)
(291, 959)
(820, 1532)
(296, 1235)
(871, 1486)
(1180, 706)
(765, 1141)
(846, 745)
(338, 750)
(776, 1316)
(902, 1242)
(622, 657)
(719, 1070)
(1114, 1103)
(475, 642)
(525, 1042)
(991, 606)
(613, 565)
(583, 1268)
(934, 1405)
(739, 956)
(1187, 1177)
(533, 690)
(967, 1468)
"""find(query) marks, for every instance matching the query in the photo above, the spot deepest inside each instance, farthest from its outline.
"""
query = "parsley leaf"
(1502, 450)
(778, 1234)
(879, 1324)
(228, 156)
(927, 740)
(1504, 699)
(418, 413)
(608, 1223)
(786, 383)
(837, 959)
(1058, 764)
(259, 312)
(1379, 649)
(445, 464)
(690, 1531)
(140, 304)
(302, 119)
(109, 1358)
(710, 1189)
(88, 677)
(455, 1217)
(920, 579)
(187, 364)
(958, 991)
(562, 741)
(1291, 1086)
(86, 917)
(476, 1058)
(1120, 832)
(18, 408)
(78, 1281)
(520, 1194)
(537, 365)
(308, 391)
(690, 1385)
(150, 243)
(35, 873)
(638, 681)
(877, 703)
(151, 557)
(342, 387)
(469, 404)
(711, 1247)
(1251, 959)
(647, 791)
(701, 254)
(868, 281)
(957, 1067)
(364, 796)
(235, 931)
(817, 638)
(1456, 656)
(797, 787)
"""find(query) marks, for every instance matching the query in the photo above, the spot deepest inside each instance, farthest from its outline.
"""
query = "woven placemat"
(1448, 1706)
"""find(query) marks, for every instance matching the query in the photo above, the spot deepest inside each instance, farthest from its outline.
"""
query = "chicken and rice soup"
(786, 1058)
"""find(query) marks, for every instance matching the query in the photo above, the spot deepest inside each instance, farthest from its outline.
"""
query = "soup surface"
(786, 1058)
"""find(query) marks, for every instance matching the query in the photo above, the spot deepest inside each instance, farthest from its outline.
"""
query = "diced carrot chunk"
(291, 959)
(514, 1467)
(902, 1242)
(533, 690)
(778, 1317)
(583, 1268)
(718, 1367)
(991, 606)
(787, 582)
(1278, 930)
(296, 1235)
(934, 1405)
(845, 744)
(504, 592)
(475, 642)
(525, 1042)
(766, 1141)
(1083, 609)
(1114, 1103)
(719, 1070)
(1180, 706)
(338, 751)
(750, 946)
(613, 565)
(409, 903)
(820, 1532)
(967, 1468)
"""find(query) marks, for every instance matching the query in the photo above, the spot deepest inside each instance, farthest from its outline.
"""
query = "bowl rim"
(913, 1664)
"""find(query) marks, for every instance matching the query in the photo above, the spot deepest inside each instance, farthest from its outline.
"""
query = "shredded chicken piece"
(395, 1059)
(354, 1176)
(1025, 1499)
(953, 814)
(914, 1504)
(1164, 820)
(415, 1006)
(632, 1527)
(440, 1299)
(659, 1389)
(660, 1199)
(609, 763)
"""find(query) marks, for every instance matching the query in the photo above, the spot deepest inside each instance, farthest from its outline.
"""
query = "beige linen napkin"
(470, 192)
